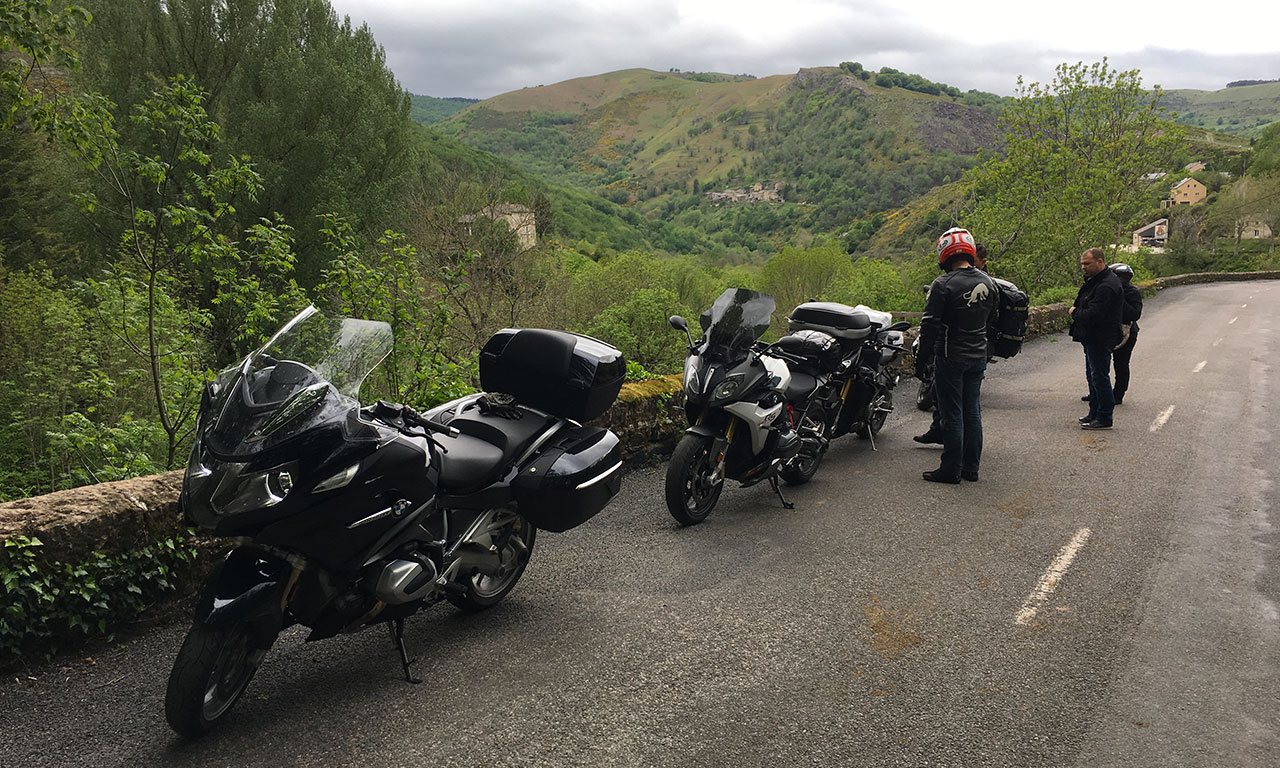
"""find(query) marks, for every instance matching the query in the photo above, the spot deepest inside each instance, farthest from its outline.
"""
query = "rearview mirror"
(678, 323)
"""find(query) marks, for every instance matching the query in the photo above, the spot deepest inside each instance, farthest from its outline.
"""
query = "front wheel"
(212, 670)
(515, 546)
(692, 486)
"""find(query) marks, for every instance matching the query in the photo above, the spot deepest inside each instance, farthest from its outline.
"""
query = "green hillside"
(835, 144)
(1243, 110)
(431, 109)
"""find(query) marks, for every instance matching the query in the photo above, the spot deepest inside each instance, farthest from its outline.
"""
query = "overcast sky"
(480, 48)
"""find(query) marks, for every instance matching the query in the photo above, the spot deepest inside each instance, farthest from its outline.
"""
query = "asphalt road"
(1098, 599)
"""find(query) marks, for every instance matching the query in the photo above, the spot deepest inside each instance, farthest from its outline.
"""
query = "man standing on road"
(954, 331)
(1095, 323)
(933, 435)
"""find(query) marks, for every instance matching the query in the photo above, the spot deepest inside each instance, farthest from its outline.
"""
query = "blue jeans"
(1097, 369)
(958, 386)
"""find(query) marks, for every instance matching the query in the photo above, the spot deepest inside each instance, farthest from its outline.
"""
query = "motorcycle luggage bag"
(574, 477)
(565, 374)
(839, 320)
(820, 349)
(1010, 326)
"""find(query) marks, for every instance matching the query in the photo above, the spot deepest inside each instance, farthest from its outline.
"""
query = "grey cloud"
(479, 51)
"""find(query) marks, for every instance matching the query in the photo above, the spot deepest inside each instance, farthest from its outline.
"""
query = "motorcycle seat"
(488, 444)
(800, 387)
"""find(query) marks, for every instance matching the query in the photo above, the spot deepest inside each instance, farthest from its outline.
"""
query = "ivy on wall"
(48, 604)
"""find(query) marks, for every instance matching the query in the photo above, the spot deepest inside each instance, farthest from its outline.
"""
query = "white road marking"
(1200, 366)
(1162, 419)
(1242, 306)
(1049, 581)
(1232, 320)
(1216, 343)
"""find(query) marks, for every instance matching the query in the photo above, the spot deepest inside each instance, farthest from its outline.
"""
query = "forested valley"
(177, 179)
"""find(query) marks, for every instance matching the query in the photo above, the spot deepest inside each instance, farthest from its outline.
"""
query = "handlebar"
(403, 417)
(413, 418)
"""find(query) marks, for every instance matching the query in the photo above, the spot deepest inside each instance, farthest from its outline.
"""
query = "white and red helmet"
(954, 241)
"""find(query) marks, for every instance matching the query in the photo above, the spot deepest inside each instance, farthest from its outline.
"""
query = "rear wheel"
(515, 545)
(692, 489)
(813, 427)
(877, 411)
(212, 670)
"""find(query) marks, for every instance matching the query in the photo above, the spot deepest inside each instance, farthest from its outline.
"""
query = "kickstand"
(397, 637)
(773, 481)
(871, 435)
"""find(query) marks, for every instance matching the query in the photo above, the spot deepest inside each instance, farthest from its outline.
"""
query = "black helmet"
(1124, 271)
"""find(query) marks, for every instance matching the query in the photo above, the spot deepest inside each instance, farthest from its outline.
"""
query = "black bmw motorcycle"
(750, 408)
(350, 516)
(857, 395)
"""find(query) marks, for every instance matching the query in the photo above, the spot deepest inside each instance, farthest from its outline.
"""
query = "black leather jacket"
(1099, 308)
(961, 304)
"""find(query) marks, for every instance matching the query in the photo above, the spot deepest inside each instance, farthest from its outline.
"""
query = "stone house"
(518, 219)
(1254, 228)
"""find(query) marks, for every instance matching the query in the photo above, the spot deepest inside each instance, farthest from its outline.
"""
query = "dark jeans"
(1121, 357)
(1097, 369)
(958, 386)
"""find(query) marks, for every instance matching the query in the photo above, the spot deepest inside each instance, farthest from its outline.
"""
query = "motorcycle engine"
(405, 580)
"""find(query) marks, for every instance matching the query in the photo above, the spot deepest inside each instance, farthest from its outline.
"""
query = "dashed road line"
(1216, 343)
(1242, 306)
(1162, 419)
(1200, 366)
(1232, 320)
(1049, 581)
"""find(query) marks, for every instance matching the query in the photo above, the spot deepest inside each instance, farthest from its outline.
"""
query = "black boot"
(928, 438)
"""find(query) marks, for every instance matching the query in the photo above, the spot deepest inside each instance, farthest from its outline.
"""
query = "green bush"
(48, 603)
(1058, 294)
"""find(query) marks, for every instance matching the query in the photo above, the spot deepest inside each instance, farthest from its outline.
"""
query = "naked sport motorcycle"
(747, 409)
(350, 516)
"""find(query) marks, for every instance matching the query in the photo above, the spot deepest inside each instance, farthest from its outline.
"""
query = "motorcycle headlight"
(726, 388)
(243, 494)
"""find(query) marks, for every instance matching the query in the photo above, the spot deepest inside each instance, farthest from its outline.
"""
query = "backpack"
(1004, 336)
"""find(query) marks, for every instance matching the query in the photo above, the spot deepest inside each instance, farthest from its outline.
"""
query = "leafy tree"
(173, 206)
(1068, 175)
(878, 284)
(390, 282)
(797, 275)
(1266, 151)
(639, 328)
(36, 39)
(303, 92)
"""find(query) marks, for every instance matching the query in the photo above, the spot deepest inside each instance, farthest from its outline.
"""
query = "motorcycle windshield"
(309, 373)
(736, 320)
